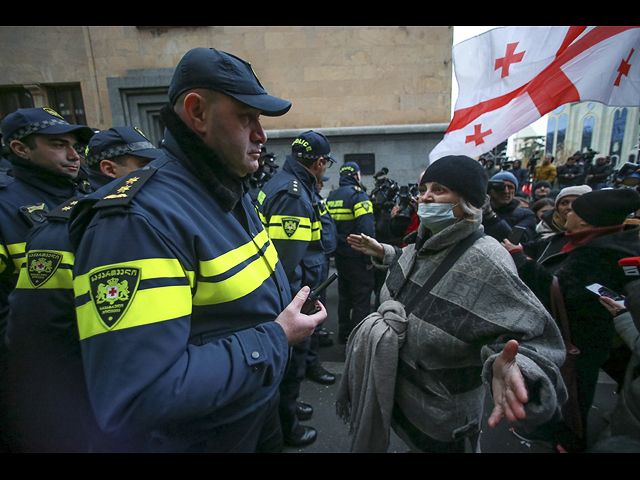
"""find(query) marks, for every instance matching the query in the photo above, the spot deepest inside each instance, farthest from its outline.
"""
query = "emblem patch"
(41, 266)
(290, 225)
(112, 290)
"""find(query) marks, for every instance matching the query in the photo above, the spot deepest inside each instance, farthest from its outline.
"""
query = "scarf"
(580, 238)
(366, 391)
(226, 188)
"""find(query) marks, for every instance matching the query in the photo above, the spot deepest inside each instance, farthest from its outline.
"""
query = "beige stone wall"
(334, 76)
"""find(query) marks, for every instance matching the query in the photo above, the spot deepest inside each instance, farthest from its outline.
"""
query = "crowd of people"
(162, 299)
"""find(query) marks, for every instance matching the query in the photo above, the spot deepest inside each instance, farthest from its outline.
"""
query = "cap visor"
(268, 105)
(151, 153)
(83, 132)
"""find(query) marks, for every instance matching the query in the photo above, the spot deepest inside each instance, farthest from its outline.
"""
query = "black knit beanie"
(604, 208)
(462, 175)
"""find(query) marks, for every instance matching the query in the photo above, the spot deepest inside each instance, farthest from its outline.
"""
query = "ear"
(20, 149)
(195, 106)
(108, 167)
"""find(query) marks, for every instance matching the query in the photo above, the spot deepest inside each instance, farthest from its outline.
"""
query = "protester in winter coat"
(478, 319)
(625, 418)
(599, 173)
(521, 174)
(502, 213)
(569, 173)
(587, 253)
(553, 221)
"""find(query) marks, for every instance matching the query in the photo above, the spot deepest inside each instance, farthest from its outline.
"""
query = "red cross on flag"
(510, 77)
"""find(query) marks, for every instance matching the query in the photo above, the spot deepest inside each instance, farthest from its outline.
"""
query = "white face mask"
(437, 216)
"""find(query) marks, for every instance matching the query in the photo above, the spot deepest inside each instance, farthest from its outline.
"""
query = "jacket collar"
(227, 189)
(48, 181)
(307, 178)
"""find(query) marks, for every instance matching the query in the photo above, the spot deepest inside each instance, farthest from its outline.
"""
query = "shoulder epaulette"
(126, 188)
(294, 188)
(356, 188)
(63, 212)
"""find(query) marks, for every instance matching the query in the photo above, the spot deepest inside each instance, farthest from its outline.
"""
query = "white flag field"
(510, 77)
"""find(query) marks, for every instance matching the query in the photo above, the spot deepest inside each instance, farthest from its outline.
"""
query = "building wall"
(335, 77)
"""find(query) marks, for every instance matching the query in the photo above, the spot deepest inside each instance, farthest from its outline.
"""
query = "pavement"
(333, 434)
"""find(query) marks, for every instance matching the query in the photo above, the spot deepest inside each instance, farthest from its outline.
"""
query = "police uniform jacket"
(177, 288)
(329, 234)
(291, 214)
(24, 198)
(45, 361)
(352, 212)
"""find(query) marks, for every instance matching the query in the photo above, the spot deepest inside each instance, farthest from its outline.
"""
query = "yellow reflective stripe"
(61, 278)
(341, 214)
(363, 208)
(233, 258)
(240, 284)
(148, 306)
(4, 258)
(150, 268)
(17, 250)
(306, 230)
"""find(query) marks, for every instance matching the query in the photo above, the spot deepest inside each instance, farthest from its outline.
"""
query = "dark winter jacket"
(593, 262)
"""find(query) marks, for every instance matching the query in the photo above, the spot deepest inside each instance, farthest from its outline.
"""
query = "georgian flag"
(510, 77)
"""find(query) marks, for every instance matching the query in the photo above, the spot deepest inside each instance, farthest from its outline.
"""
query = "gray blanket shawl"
(365, 395)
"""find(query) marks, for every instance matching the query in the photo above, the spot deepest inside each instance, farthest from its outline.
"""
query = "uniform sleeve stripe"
(239, 285)
(149, 306)
(150, 268)
(233, 258)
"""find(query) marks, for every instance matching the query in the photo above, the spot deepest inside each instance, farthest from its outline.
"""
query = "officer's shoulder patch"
(356, 188)
(41, 265)
(290, 225)
(63, 212)
(112, 290)
(126, 188)
(294, 188)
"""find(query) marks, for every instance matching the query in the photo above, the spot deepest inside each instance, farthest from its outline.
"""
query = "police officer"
(290, 211)
(48, 386)
(184, 311)
(46, 171)
(352, 211)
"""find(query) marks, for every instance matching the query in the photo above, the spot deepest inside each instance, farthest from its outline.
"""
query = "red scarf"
(580, 238)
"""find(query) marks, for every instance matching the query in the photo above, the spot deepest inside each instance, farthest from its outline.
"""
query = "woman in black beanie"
(479, 328)
(587, 253)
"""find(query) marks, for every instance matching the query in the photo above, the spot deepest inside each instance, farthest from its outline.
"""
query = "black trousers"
(355, 285)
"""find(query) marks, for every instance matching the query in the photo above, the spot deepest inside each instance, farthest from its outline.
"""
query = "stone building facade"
(382, 94)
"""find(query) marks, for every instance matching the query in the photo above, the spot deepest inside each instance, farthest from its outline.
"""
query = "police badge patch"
(290, 225)
(112, 290)
(41, 266)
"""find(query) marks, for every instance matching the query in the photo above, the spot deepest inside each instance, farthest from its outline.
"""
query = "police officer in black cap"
(352, 211)
(48, 385)
(45, 154)
(290, 211)
(118, 151)
(185, 333)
